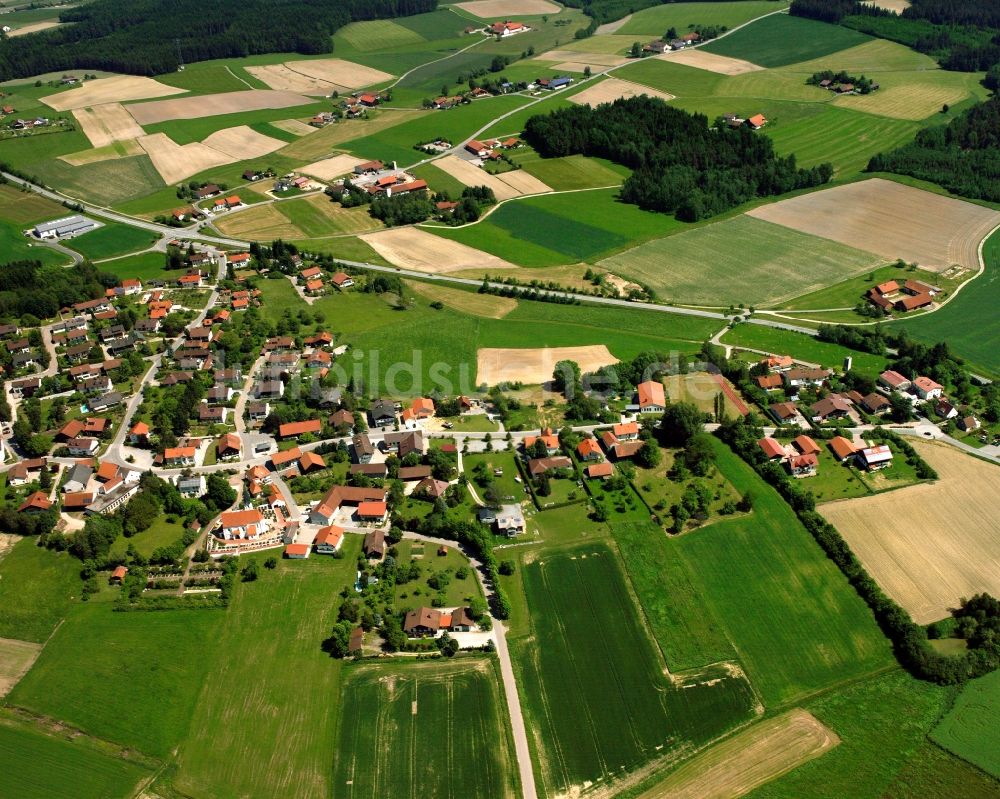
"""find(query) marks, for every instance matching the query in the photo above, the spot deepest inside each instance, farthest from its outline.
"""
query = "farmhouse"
(926, 388)
(894, 381)
(503, 29)
(477, 148)
(295, 429)
(757, 121)
(651, 397)
(337, 496)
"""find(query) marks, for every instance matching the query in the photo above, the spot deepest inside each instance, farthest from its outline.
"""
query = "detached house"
(651, 397)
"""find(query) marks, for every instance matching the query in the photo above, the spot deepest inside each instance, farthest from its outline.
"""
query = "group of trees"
(31, 292)
(128, 35)
(862, 84)
(963, 156)
(679, 163)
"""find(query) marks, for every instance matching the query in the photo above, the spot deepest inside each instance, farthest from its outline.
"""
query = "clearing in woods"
(535, 366)
(890, 220)
(210, 105)
(424, 729)
(470, 302)
(712, 62)
(416, 249)
(739, 260)
(16, 657)
(107, 123)
(607, 91)
(505, 186)
(487, 9)
(748, 759)
(116, 89)
(597, 699)
(931, 544)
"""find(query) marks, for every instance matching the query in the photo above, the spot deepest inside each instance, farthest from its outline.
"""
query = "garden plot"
(210, 105)
(607, 91)
(116, 89)
(505, 186)
(535, 366)
(931, 544)
(711, 62)
(424, 252)
(107, 123)
(890, 220)
(330, 168)
(487, 9)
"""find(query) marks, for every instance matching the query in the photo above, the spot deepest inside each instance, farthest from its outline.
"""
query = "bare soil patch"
(35, 27)
(890, 220)
(110, 152)
(486, 9)
(295, 126)
(175, 162)
(116, 89)
(931, 544)
(748, 759)
(612, 27)
(710, 62)
(242, 142)
(16, 658)
(411, 248)
(607, 91)
(209, 105)
(465, 301)
(899, 6)
(535, 366)
(107, 123)
(330, 168)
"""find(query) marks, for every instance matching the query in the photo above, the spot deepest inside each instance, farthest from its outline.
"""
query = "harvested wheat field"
(210, 105)
(116, 89)
(339, 72)
(424, 252)
(109, 152)
(486, 9)
(281, 78)
(242, 142)
(330, 168)
(35, 27)
(258, 223)
(899, 6)
(594, 60)
(902, 98)
(175, 162)
(931, 544)
(505, 186)
(107, 123)
(16, 657)
(748, 759)
(312, 148)
(607, 91)
(470, 302)
(534, 367)
(890, 220)
(294, 126)
(710, 62)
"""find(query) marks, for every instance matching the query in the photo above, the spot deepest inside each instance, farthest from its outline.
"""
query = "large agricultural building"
(65, 228)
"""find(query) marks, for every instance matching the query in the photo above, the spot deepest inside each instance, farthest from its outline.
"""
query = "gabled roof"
(651, 393)
(772, 449)
(806, 445)
(241, 518)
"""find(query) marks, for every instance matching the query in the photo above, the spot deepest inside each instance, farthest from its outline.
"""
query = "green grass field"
(266, 677)
(185, 131)
(557, 229)
(36, 590)
(205, 77)
(144, 266)
(596, 699)
(739, 260)
(377, 34)
(111, 240)
(676, 79)
(142, 674)
(430, 729)
(780, 40)
(572, 172)
(969, 729)
(654, 22)
(39, 766)
(799, 345)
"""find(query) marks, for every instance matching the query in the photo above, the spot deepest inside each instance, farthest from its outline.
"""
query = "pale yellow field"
(749, 759)
(208, 105)
(415, 249)
(890, 220)
(281, 78)
(260, 222)
(16, 657)
(877, 55)
(469, 302)
(931, 544)
(701, 59)
(318, 145)
(242, 142)
(595, 60)
(35, 27)
(175, 162)
(110, 152)
(340, 72)
(107, 123)
(899, 6)
(330, 168)
(296, 126)
(505, 186)
(907, 99)
(116, 89)
(487, 9)
(535, 366)
(611, 89)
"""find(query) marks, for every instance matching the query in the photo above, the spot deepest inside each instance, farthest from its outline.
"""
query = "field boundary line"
(241, 80)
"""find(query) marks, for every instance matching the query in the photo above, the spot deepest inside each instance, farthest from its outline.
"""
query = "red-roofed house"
(248, 524)
(297, 551)
(329, 539)
(772, 449)
(926, 388)
(293, 429)
(589, 450)
(477, 148)
(342, 280)
(652, 398)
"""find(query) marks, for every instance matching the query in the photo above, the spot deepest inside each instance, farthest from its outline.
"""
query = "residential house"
(803, 376)
(589, 450)
(540, 466)
(842, 448)
(342, 280)
(363, 448)
(831, 407)
(599, 471)
(382, 413)
(805, 465)
(258, 411)
(296, 429)
(875, 403)
(191, 487)
(78, 478)
(547, 437)
(651, 397)
(179, 456)
(404, 442)
(311, 461)
(374, 545)
(37, 502)
(874, 458)
(894, 381)
(784, 412)
(242, 524)
(328, 540)
(770, 382)
(82, 447)
(228, 447)
(806, 445)
(341, 419)
(629, 431)
(927, 389)
(756, 122)
(968, 424)
(297, 551)
(211, 414)
(945, 410)
(106, 401)
(510, 520)
(772, 449)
